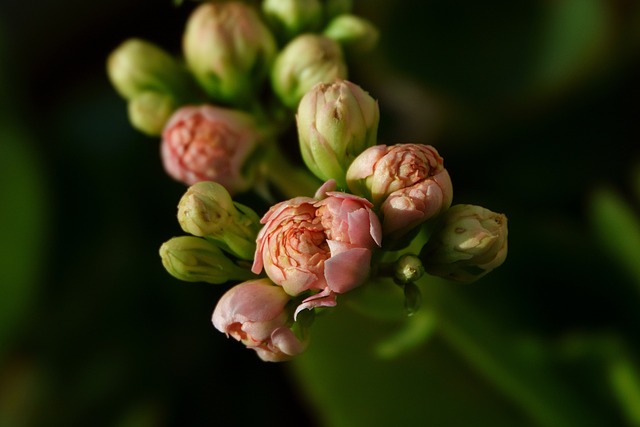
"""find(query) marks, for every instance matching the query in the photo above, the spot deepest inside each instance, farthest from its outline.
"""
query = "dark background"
(532, 104)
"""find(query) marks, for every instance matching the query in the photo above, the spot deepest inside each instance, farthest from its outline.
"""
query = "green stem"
(532, 384)
(290, 180)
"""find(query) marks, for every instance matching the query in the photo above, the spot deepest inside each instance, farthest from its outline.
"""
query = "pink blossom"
(208, 143)
(323, 246)
(255, 314)
(408, 182)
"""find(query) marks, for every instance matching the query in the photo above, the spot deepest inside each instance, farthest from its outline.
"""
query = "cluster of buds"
(220, 111)
(219, 105)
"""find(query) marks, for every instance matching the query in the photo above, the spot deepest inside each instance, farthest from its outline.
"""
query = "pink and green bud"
(207, 143)
(355, 34)
(305, 61)
(323, 246)
(288, 18)
(336, 122)
(468, 242)
(193, 259)
(256, 314)
(407, 182)
(137, 66)
(149, 111)
(229, 50)
(207, 210)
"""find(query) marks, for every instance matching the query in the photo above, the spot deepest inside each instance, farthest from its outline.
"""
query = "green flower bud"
(408, 268)
(468, 242)
(207, 210)
(289, 18)
(307, 60)
(336, 122)
(229, 50)
(138, 66)
(355, 34)
(193, 259)
(150, 111)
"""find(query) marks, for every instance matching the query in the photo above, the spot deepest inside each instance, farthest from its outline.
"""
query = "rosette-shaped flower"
(468, 242)
(305, 61)
(322, 246)
(408, 182)
(208, 143)
(229, 50)
(255, 314)
(336, 122)
(207, 210)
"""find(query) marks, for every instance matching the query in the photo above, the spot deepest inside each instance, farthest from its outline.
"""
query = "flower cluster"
(351, 208)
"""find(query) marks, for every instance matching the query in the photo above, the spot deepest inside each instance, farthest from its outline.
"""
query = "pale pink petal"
(347, 269)
(328, 186)
(326, 298)
(286, 342)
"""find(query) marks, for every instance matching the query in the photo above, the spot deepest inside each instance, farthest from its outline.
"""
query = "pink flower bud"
(318, 245)
(408, 182)
(208, 143)
(255, 314)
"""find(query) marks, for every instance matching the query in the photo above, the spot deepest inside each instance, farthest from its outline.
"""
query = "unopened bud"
(194, 259)
(307, 60)
(150, 111)
(228, 49)
(468, 242)
(138, 66)
(207, 210)
(336, 122)
(355, 34)
(408, 268)
(289, 18)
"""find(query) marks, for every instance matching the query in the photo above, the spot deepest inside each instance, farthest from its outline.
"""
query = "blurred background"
(531, 103)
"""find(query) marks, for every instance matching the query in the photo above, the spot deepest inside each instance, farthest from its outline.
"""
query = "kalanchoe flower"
(288, 18)
(336, 122)
(468, 242)
(355, 34)
(229, 50)
(323, 246)
(408, 182)
(207, 210)
(194, 259)
(305, 61)
(138, 66)
(255, 313)
(208, 143)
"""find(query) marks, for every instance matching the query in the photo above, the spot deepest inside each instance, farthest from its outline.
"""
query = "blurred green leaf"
(617, 227)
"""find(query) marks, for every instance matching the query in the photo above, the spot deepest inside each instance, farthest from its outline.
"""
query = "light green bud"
(194, 259)
(288, 18)
(229, 50)
(137, 66)
(207, 210)
(307, 60)
(336, 122)
(408, 268)
(468, 242)
(150, 111)
(355, 34)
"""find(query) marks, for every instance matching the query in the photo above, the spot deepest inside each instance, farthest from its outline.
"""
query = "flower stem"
(527, 380)
(290, 180)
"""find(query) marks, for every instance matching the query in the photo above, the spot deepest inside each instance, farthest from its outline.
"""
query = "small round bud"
(138, 66)
(288, 18)
(194, 259)
(408, 268)
(228, 49)
(355, 34)
(150, 111)
(468, 242)
(336, 122)
(207, 210)
(307, 60)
